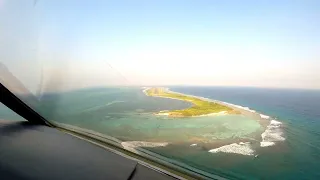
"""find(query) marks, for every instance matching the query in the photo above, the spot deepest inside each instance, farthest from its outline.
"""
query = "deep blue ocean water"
(298, 109)
(126, 114)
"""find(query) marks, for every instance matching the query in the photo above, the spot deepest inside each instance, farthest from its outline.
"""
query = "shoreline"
(270, 135)
(167, 113)
(164, 113)
(243, 110)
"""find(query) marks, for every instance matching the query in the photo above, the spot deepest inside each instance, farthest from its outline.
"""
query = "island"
(200, 107)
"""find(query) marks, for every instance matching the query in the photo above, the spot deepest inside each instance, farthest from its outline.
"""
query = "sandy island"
(200, 107)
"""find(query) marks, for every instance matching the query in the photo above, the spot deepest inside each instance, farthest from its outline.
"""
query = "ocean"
(299, 110)
(232, 146)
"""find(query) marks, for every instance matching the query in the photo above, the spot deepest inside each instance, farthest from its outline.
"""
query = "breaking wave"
(241, 148)
(272, 134)
(264, 116)
(240, 107)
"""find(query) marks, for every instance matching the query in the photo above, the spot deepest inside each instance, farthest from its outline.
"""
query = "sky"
(70, 44)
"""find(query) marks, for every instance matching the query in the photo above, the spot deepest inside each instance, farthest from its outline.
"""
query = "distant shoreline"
(243, 110)
(200, 107)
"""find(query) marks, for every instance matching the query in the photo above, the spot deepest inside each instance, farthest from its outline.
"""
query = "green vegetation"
(200, 107)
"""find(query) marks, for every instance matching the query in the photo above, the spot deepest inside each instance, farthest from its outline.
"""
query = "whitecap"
(266, 143)
(244, 143)
(272, 134)
(274, 122)
(264, 116)
(241, 148)
(240, 107)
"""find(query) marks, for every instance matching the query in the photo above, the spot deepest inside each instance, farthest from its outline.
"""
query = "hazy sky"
(267, 43)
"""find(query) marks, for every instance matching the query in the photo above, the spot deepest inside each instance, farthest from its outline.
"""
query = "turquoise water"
(146, 127)
(127, 114)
